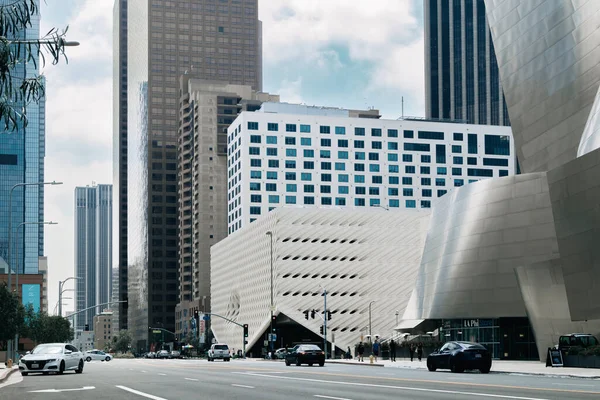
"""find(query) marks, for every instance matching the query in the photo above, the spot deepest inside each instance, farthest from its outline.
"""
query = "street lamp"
(397, 313)
(60, 292)
(370, 327)
(270, 234)
(17, 249)
(325, 320)
(9, 260)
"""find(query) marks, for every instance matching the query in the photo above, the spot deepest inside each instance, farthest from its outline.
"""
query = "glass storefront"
(506, 338)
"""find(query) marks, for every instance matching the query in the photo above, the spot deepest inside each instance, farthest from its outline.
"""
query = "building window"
(340, 130)
(325, 154)
(273, 163)
(254, 210)
(254, 138)
(392, 191)
(472, 143)
(374, 191)
(360, 190)
(394, 180)
(495, 162)
(407, 157)
(324, 129)
(407, 180)
(359, 202)
(340, 201)
(456, 171)
(374, 202)
(309, 188)
(411, 204)
(252, 126)
(290, 199)
(359, 131)
(326, 178)
(255, 174)
(272, 151)
(305, 141)
(425, 204)
(376, 145)
(326, 142)
(290, 152)
(459, 182)
(309, 200)
(290, 127)
(425, 170)
(290, 164)
(254, 186)
(392, 157)
(271, 187)
(472, 160)
(305, 128)
(416, 147)
(274, 199)
(458, 136)
(271, 139)
(343, 190)
(503, 172)
(440, 193)
(306, 176)
(442, 170)
(359, 155)
(290, 140)
(409, 169)
(392, 146)
(457, 160)
(359, 144)
(326, 201)
(392, 133)
(309, 153)
(342, 143)
(343, 155)
(340, 166)
(254, 151)
(425, 181)
(309, 165)
(497, 145)
(375, 132)
(290, 176)
(409, 134)
(359, 179)
(440, 182)
(457, 149)
(255, 198)
(272, 175)
(343, 178)
(480, 172)
(431, 135)
(291, 187)
(426, 192)
(271, 126)
(255, 162)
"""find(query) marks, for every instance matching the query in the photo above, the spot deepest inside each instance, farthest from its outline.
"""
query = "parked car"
(220, 350)
(96, 355)
(280, 353)
(175, 354)
(150, 354)
(460, 356)
(565, 342)
(163, 354)
(52, 357)
(305, 354)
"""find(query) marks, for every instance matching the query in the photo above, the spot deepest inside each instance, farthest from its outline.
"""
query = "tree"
(16, 92)
(44, 328)
(122, 341)
(12, 315)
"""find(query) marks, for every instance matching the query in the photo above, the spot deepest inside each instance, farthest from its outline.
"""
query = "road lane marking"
(130, 390)
(63, 390)
(242, 386)
(145, 372)
(571, 384)
(163, 374)
(332, 398)
(413, 389)
(190, 379)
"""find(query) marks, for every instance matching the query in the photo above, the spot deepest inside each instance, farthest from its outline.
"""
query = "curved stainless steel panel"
(575, 196)
(478, 234)
(543, 290)
(590, 140)
(548, 57)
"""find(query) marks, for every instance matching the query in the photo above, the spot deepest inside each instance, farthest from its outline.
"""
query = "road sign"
(156, 331)
(272, 337)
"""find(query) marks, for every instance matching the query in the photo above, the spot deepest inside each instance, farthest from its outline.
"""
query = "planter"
(581, 361)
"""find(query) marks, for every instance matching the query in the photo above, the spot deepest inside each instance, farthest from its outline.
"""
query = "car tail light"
(322, 352)
(302, 352)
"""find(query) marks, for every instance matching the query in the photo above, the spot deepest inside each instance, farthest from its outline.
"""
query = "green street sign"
(156, 331)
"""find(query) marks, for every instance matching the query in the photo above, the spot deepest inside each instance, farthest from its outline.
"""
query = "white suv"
(219, 351)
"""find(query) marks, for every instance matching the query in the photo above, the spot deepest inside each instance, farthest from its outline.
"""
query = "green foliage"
(12, 315)
(122, 341)
(16, 92)
(584, 351)
(43, 328)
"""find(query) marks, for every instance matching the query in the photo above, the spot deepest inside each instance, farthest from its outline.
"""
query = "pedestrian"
(411, 350)
(348, 354)
(420, 351)
(375, 349)
(393, 350)
(361, 350)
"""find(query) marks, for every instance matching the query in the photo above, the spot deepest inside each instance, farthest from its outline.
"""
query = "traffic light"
(306, 314)
(87, 327)
(273, 318)
(328, 315)
(312, 314)
(321, 329)
(245, 330)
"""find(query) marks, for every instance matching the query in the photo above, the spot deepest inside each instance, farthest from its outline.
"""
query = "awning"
(408, 324)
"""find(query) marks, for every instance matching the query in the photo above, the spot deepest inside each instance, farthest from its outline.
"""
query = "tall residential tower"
(217, 41)
(93, 250)
(461, 71)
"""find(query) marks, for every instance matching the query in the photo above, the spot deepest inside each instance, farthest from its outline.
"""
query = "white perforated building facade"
(357, 255)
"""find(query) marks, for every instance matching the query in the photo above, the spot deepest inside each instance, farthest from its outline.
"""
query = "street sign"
(156, 331)
(272, 337)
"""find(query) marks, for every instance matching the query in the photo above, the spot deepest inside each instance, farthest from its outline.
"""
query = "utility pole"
(325, 321)
(270, 234)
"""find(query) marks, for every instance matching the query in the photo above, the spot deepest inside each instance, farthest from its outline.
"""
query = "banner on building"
(31, 295)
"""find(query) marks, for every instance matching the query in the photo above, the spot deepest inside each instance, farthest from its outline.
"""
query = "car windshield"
(221, 347)
(48, 349)
(309, 347)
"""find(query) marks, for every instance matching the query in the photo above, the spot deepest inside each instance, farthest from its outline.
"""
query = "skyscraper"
(120, 152)
(93, 250)
(461, 71)
(218, 41)
(22, 155)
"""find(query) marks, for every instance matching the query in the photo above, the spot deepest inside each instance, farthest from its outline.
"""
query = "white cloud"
(384, 33)
(291, 91)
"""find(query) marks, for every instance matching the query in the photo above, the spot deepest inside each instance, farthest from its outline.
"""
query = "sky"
(339, 53)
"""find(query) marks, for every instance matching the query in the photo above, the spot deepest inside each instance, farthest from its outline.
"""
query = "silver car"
(97, 355)
(52, 357)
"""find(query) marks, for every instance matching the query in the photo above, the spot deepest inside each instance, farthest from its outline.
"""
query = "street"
(246, 379)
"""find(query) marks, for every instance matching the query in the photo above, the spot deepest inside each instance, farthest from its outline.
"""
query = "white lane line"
(498, 396)
(163, 374)
(130, 390)
(190, 379)
(242, 386)
(571, 384)
(332, 398)
(63, 390)
(145, 372)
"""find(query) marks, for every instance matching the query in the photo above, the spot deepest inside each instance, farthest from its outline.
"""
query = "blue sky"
(338, 53)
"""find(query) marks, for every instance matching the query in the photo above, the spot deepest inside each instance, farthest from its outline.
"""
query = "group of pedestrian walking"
(418, 348)
(413, 349)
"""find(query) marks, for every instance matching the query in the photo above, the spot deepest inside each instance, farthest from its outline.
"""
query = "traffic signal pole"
(244, 328)
(325, 321)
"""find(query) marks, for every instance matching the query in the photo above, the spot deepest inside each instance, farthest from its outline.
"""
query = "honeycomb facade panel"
(477, 236)
(548, 54)
(543, 290)
(358, 256)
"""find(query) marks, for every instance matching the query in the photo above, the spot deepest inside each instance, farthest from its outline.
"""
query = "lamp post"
(397, 313)
(325, 321)
(270, 234)
(9, 260)
(60, 292)
(370, 327)
(17, 249)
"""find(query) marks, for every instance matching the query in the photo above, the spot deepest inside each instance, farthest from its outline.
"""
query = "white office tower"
(299, 156)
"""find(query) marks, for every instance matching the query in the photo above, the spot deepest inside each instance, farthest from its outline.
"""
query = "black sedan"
(305, 354)
(459, 356)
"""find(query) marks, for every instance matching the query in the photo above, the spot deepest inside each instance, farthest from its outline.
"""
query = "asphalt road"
(240, 379)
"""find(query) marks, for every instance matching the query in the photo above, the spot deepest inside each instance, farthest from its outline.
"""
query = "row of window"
(360, 190)
(341, 201)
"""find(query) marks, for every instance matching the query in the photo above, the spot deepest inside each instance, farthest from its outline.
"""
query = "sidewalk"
(498, 366)
(5, 372)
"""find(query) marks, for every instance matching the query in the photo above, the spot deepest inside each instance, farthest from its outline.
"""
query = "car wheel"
(310, 364)
(298, 363)
(227, 359)
(62, 368)
(287, 363)
(79, 370)
(431, 366)
(486, 369)
(107, 358)
(24, 373)
(88, 359)
(45, 373)
(321, 363)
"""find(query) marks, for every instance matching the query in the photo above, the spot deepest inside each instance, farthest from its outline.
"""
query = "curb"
(4, 375)
(361, 364)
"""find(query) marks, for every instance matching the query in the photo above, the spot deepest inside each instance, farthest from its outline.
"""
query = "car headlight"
(52, 360)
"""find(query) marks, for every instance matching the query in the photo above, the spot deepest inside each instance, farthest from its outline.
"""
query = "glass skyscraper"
(22, 153)
(93, 251)
(461, 71)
